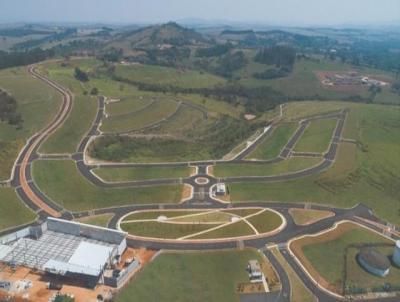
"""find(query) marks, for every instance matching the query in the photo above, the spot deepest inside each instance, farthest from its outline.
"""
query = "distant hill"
(158, 36)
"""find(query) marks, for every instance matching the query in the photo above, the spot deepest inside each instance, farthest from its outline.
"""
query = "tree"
(94, 91)
(81, 75)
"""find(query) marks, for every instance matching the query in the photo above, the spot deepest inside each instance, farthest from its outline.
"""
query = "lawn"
(367, 173)
(315, 250)
(155, 214)
(191, 276)
(12, 211)
(156, 112)
(37, 103)
(299, 292)
(274, 143)
(98, 220)
(317, 136)
(128, 105)
(167, 76)
(290, 165)
(61, 181)
(266, 221)
(163, 230)
(305, 217)
(138, 173)
(236, 229)
(67, 137)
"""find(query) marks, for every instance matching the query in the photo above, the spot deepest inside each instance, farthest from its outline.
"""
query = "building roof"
(374, 259)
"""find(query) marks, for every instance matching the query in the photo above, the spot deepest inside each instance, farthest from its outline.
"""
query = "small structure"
(396, 254)
(374, 262)
(254, 269)
(221, 189)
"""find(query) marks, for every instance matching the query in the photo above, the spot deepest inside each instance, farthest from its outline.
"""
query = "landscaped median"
(202, 225)
(331, 259)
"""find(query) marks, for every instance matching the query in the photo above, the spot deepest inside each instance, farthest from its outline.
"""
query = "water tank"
(396, 254)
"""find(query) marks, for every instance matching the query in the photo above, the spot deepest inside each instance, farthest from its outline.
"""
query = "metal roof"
(374, 259)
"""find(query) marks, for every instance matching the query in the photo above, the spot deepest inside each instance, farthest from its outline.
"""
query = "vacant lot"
(138, 173)
(274, 143)
(167, 76)
(61, 181)
(317, 136)
(313, 252)
(12, 211)
(367, 172)
(193, 276)
(290, 165)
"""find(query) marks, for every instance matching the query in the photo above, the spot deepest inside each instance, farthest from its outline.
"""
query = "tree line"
(8, 110)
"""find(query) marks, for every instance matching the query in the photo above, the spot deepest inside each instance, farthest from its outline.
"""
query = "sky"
(273, 12)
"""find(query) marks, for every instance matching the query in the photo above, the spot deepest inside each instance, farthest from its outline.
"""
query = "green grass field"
(138, 173)
(12, 211)
(236, 229)
(156, 112)
(37, 103)
(265, 222)
(274, 143)
(68, 136)
(168, 76)
(334, 248)
(61, 181)
(191, 276)
(155, 214)
(290, 165)
(317, 136)
(368, 173)
(127, 105)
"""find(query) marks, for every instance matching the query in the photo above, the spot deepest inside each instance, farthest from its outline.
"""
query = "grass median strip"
(61, 181)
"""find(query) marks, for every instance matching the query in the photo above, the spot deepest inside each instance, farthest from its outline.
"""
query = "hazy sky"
(279, 12)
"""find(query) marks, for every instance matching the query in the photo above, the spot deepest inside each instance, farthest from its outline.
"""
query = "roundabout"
(202, 225)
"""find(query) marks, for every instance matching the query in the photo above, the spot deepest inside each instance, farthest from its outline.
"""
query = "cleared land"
(37, 103)
(177, 224)
(61, 181)
(368, 170)
(290, 165)
(195, 277)
(317, 136)
(12, 211)
(138, 173)
(313, 252)
(167, 76)
(273, 144)
(305, 217)
(299, 292)
(156, 112)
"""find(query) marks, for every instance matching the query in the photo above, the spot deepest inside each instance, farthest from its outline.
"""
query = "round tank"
(396, 254)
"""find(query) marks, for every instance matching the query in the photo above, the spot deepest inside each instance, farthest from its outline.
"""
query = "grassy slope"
(168, 76)
(333, 250)
(12, 210)
(273, 144)
(61, 181)
(156, 112)
(369, 174)
(317, 136)
(137, 173)
(289, 165)
(37, 104)
(195, 277)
